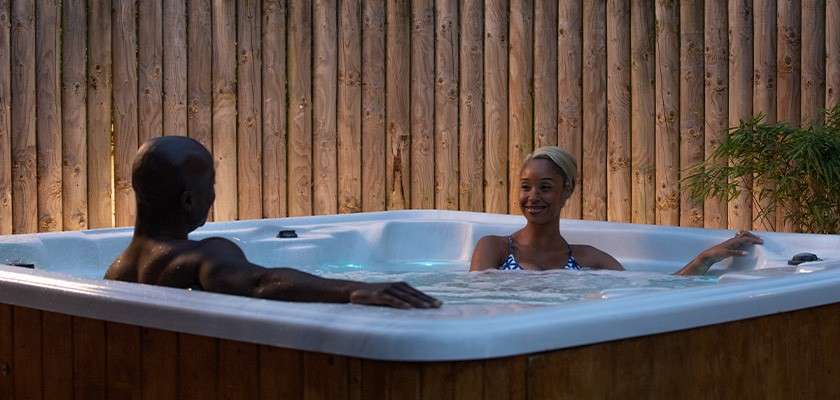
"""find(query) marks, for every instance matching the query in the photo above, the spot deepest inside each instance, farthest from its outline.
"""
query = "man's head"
(172, 177)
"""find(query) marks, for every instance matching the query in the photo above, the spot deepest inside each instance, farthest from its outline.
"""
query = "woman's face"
(542, 191)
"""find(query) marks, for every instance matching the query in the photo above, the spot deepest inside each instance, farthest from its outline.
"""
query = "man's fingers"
(409, 297)
(391, 300)
(417, 293)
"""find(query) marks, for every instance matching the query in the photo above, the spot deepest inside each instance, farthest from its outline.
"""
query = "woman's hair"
(562, 159)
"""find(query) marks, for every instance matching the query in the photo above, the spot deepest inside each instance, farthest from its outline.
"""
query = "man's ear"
(187, 200)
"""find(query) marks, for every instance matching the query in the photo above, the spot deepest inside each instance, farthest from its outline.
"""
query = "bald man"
(173, 179)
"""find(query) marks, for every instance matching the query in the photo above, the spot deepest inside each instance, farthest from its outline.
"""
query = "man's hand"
(392, 294)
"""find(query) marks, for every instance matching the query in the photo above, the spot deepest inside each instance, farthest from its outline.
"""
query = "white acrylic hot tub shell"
(450, 333)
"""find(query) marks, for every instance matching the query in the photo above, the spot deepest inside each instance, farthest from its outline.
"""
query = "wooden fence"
(326, 106)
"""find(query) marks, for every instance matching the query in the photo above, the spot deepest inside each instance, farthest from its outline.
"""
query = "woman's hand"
(730, 248)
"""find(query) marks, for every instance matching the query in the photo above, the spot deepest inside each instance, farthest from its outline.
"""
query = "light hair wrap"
(562, 159)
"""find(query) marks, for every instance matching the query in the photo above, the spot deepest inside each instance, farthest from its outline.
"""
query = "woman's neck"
(539, 235)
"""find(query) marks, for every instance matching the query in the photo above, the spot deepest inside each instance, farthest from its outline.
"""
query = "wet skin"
(173, 179)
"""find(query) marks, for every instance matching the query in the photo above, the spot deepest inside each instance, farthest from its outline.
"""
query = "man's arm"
(222, 267)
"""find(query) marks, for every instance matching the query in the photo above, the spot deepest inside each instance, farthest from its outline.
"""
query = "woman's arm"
(592, 257)
(486, 254)
(731, 248)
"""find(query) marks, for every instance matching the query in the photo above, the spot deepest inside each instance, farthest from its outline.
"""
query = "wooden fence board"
(716, 108)
(150, 68)
(788, 75)
(324, 92)
(740, 95)
(619, 186)
(300, 108)
(349, 115)
(124, 359)
(594, 171)
(100, 194)
(832, 53)
(224, 109)
(423, 104)
(274, 103)
(125, 109)
(642, 110)
(249, 115)
(545, 73)
(373, 107)
(422, 183)
(397, 107)
(570, 92)
(813, 60)
(691, 104)
(57, 355)
(74, 184)
(24, 179)
(199, 77)
(48, 123)
(496, 42)
(175, 67)
(764, 90)
(5, 120)
(89, 359)
(471, 110)
(520, 95)
(667, 113)
(446, 105)
(159, 361)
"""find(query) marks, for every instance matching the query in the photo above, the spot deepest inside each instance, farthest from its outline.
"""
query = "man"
(173, 184)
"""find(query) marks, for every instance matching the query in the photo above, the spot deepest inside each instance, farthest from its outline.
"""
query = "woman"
(547, 179)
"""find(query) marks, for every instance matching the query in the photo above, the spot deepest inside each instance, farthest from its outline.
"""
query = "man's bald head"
(167, 167)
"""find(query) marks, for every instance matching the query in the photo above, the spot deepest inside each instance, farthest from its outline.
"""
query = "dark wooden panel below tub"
(789, 355)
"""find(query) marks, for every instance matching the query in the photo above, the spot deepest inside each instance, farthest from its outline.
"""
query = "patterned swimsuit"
(511, 264)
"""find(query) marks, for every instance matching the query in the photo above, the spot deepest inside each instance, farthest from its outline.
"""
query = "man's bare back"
(173, 183)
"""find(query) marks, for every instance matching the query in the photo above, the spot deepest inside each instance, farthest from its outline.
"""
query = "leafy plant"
(794, 168)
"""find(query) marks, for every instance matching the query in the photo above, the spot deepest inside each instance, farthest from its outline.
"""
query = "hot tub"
(758, 326)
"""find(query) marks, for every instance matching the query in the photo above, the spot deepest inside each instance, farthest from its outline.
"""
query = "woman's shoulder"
(593, 257)
(489, 252)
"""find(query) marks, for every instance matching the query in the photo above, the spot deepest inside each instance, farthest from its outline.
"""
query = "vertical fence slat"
(123, 356)
(199, 76)
(496, 42)
(397, 112)
(249, 115)
(373, 107)
(471, 110)
(349, 111)
(642, 110)
(813, 60)
(446, 105)
(520, 92)
(150, 48)
(28, 364)
(570, 92)
(73, 115)
(740, 95)
(48, 124)
(496, 106)
(545, 73)
(788, 75)
(423, 104)
(125, 109)
(5, 120)
(832, 53)
(174, 67)
(99, 114)
(198, 367)
(716, 97)
(691, 104)
(159, 364)
(57, 355)
(667, 112)
(618, 111)
(274, 109)
(594, 171)
(224, 109)
(764, 90)
(300, 108)
(89, 358)
(324, 87)
(24, 182)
